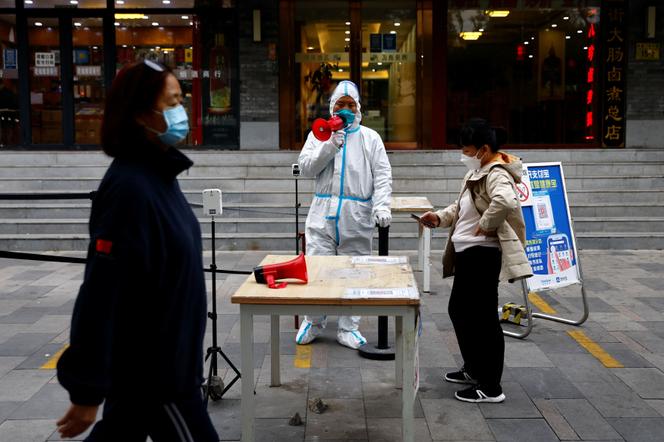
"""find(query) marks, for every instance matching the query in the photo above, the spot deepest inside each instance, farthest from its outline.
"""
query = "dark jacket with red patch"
(139, 319)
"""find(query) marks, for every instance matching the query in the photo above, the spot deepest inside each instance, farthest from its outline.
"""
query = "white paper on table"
(379, 260)
(386, 293)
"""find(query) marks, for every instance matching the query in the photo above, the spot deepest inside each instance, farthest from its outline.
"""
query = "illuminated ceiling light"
(566, 17)
(373, 70)
(310, 48)
(166, 2)
(38, 24)
(554, 25)
(77, 24)
(567, 37)
(497, 13)
(341, 70)
(73, 2)
(396, 23)
(347, 32)
(530, 56)
(480, 30)
(117, 23)
(191, 23)
(28, 2)
(131, 17)
(393, 32)
(532, 38)
(185, 17)
(124, 46)
(347, 23)
(95, 48)
(579, 31)
(347, 39)
(120, 2)
(470, 35)
(154, 23)
(526, 42)
(380, 63)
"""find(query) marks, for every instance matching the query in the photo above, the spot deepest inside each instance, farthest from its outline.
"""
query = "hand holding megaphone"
(323, 129)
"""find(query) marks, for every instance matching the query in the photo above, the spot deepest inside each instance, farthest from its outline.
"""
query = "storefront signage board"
(44, 59)
(9, 58)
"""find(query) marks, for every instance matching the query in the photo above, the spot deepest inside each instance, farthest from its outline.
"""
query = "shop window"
(81, 4)
(45, 81)
(154, 4)
(524, 68)
(167, 39)
(322, 44)
(88, 84)
(389, 69)
(9, 116)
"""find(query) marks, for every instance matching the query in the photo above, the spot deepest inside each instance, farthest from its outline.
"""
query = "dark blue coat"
(139, 319)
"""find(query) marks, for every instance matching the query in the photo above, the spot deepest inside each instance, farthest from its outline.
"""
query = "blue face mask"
(177, 124)
(347, 116)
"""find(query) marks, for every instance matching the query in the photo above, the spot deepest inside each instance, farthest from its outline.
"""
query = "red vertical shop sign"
(614, 55)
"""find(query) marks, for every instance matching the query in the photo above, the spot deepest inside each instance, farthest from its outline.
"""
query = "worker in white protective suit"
(352, 194)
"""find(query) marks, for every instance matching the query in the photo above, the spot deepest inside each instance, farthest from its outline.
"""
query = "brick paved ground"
(556, 389)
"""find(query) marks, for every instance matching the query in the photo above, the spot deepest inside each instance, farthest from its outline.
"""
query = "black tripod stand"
(214, 386)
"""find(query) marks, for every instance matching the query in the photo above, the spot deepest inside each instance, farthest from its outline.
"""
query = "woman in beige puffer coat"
(486, 243)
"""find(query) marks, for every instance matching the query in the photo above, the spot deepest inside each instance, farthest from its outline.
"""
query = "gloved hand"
(383, 218)
(338, 138)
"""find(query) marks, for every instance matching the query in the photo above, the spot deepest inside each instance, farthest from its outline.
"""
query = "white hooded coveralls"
(353, 183)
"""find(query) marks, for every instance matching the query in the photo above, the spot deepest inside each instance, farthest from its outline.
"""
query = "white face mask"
(472, 163)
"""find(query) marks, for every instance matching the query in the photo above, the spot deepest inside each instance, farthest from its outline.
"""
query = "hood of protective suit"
(347, 88)
(509, 162)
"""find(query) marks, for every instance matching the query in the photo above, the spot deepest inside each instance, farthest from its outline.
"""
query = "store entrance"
(66, 79)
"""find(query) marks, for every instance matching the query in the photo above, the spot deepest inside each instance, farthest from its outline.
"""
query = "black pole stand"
(382, 351)
(296, 318)
(214, 386)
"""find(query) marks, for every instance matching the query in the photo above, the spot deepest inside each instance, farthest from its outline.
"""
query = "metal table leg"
(247, 348)
(275, 374)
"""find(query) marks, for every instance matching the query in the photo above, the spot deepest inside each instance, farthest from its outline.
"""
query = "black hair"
(135, 91)
(478, 132)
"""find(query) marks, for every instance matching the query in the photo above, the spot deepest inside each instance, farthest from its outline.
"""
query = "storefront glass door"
(88, 79)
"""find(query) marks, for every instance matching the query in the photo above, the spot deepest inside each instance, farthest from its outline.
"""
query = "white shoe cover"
(308, 332)
(352, 339)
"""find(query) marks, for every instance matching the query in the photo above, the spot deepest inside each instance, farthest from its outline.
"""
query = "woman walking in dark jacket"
(139, 319)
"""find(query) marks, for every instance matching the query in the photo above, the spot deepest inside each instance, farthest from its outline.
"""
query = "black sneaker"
(460, 377)
(474, 394)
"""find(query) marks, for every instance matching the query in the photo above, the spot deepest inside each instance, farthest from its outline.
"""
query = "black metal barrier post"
(382, 351)
(214, 385)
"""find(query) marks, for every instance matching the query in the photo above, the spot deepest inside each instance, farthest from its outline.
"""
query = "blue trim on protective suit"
(299, 338)
(359, 337)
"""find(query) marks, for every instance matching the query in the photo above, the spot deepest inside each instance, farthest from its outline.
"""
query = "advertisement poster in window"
(220, 92)
(551, 79)
(550, 244)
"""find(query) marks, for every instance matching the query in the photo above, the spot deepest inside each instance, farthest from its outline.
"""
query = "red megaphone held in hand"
(293, 269)
(323, 129)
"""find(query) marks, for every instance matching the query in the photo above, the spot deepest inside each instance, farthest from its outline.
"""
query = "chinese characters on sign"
(614, 52)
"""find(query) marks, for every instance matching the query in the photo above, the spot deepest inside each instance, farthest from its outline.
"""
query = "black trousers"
(134, 419)
(473, 309)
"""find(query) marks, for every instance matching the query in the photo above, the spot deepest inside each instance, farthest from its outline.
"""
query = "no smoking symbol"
(523, 191)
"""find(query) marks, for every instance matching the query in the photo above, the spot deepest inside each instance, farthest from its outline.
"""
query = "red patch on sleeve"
(103, 246)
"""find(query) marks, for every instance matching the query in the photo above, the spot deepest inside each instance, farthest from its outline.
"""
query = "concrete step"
(30, 210)
(273, 225)
(285, 241)
(431, 170)
(404, 184)
(211, 157)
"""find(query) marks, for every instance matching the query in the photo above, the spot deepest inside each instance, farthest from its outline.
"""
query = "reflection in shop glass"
(156, 66)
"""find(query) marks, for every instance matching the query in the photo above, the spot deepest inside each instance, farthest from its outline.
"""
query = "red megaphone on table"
(293, 269)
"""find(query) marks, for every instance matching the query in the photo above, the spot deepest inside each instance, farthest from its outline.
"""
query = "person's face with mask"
(170, 98)
(474, 157)
(345, 102)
